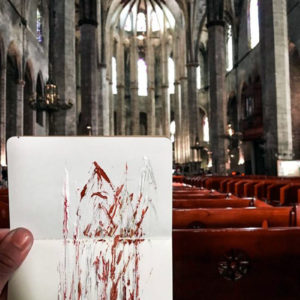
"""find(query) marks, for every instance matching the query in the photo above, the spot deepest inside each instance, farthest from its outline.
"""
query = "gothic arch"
(39, 94)
(294, 54)
(29, 92)
(14, 84)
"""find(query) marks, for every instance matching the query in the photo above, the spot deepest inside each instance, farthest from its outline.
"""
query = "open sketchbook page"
(100, 212)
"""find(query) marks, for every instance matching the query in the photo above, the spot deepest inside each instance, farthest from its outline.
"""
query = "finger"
(3, 296)
(13, 250)
(3, 233)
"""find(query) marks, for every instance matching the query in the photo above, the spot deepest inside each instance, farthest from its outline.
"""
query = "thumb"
(14, 248)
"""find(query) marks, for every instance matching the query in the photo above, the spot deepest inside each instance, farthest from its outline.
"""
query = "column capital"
(192, 64)
(21, 82)
(87, 21)
(164, 86)
(120, 86)
(177, 82)
(215, 23)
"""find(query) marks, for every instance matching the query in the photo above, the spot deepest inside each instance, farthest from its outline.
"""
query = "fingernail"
(21, 238)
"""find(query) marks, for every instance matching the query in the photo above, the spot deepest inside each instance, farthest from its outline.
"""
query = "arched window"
(39, 23)
(171, 75)
(128, 24)
(229, 48)
(198, 70)
(141, 22)
(154, 22)
(173, 130)
(253, 23)
(114, 75)
(142, 78)
(205, 129)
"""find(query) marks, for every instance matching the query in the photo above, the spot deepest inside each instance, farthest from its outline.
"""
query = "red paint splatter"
(115, 227)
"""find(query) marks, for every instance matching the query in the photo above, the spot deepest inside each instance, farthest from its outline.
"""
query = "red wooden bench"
(218, 203)
(237, 217)
(226, 264)
(289, 194)
(4, 215)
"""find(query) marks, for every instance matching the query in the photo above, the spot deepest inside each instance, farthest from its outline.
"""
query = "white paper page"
(100, 212)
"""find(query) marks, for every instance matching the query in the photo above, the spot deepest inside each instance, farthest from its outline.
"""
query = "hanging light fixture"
(50, 101)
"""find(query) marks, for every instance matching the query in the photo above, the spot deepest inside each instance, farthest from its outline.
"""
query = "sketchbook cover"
(100, 212)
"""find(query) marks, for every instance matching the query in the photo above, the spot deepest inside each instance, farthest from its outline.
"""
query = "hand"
(14, 247)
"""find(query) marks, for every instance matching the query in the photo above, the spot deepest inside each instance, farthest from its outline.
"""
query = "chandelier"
(50, 101)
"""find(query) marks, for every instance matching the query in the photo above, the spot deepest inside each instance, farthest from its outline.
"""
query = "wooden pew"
(289, 194)
(204, 196)
(218, 203)
(273, 192)
(226, 264)
(237, 217)
(4, 215)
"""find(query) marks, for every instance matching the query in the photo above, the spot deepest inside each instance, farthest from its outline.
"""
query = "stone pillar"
(165, 88)
(20, 108)
(178, 121)
(121, 108)
(106, 121)
(216, 63)
(88, 46)
(193, 106)
(150, 60)
(64, 64)
(185, 121)
(3, 116)
(111, 100)
(135, 112)
(275, 83)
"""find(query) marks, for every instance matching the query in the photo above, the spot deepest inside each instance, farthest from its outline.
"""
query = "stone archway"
(295, 97)
(28, 94)
(13, 88)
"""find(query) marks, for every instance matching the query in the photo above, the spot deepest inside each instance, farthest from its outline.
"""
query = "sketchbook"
(100, 210)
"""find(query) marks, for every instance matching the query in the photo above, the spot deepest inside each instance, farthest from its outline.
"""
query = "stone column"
(135, 113)
(178, 120)
(106, 126)
(275, 83)
(88, 45)
(150, 60)
(20, 108)
(3, 116)
(185, 121)
(111, 109)
(64, 64)
(165, 88)
(216, 63)
(192, 105)
(121, 108)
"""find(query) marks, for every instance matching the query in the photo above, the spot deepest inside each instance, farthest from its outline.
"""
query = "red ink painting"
(102, 254)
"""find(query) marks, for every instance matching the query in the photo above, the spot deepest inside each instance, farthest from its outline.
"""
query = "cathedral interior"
(221, 78)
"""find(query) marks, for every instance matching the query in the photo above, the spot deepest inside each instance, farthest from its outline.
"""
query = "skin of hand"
(14, 247)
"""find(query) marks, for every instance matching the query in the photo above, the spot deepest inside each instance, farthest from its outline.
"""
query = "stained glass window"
(39, 26)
